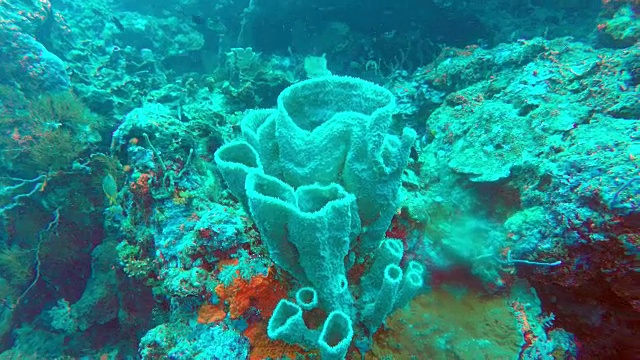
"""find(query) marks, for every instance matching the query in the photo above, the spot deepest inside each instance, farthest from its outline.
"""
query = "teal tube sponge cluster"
(320, 176)
(317, 172)
(396, 289)
(336, 130)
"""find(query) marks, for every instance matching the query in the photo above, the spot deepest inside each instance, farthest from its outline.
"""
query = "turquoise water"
(439, 179)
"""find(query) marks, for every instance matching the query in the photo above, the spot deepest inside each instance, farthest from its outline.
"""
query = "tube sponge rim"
(283, 318)
(378, 99)
(332, 346)
(270, 188)
(415, 279)
(315, 199)
(240, 154)
(394, 247)
(416, 267)
(287, 324)
(307, 298)
(393, 274)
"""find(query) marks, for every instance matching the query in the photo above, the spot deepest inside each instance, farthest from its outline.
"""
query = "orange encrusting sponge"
(261, 292)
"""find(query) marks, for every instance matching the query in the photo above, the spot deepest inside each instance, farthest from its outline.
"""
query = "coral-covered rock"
(29, 63)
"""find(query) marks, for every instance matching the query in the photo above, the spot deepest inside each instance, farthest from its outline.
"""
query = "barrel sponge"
(286, 324)
(336, 336)
(235, 161)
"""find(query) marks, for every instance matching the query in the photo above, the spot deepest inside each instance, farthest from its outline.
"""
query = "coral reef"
(287, 180)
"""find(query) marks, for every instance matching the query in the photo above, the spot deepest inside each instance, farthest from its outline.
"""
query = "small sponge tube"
(415, 266)
(412, 283)
(336, 336)
(307, 298)
(389, 252)
(287, 324)
(375, 314)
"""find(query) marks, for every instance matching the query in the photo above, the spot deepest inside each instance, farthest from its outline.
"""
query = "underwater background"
(286, 179)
